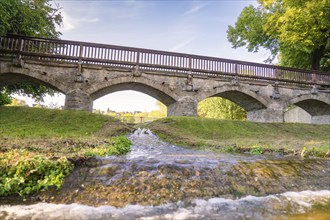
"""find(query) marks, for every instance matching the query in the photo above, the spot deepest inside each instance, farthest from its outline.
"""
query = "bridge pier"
(320, 119)
(184, 107)
(299, 115)
(78, 100)
(266, 115)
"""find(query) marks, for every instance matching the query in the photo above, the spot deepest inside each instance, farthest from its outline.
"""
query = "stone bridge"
(87, 71)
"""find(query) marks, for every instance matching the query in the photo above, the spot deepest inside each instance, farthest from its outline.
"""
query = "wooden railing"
(144, 59)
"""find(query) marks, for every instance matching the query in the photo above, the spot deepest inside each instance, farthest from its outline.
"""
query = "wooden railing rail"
(129, 57)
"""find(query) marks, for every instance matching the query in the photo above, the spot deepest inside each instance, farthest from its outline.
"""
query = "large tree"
(295, 31)
(38, 18)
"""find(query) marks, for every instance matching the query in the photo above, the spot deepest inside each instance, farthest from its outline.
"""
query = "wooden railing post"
(314, 87)
(136, 71)
(235, 80)
(20, 49)
(81, 51)
(277, 74)
(314, 78)
(80, 61)
(138, 58)
(18, 61)
(190, 63)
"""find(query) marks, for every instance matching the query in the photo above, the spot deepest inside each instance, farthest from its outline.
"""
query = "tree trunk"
(317, 55)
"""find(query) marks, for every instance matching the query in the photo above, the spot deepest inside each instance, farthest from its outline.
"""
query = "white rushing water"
(249, 207)
(147, 146)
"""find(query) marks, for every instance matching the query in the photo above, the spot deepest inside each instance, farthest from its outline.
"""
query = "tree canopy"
(297, 32)
(38, 18)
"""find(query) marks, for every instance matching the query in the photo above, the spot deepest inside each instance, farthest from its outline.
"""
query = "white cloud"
(194, 9)
(182, 44)
(70, 22)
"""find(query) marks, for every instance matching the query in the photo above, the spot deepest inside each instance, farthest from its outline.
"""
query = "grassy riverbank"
(38, 147)
(242, 136)
(55, 132)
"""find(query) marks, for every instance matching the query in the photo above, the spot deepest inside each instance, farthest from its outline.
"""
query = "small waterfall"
(143, 131)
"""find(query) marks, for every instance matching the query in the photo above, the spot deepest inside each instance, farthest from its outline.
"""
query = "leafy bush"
(120, 145)
(256, 150)
(22, 175)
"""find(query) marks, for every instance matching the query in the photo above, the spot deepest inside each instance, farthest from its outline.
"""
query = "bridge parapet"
(153, 60)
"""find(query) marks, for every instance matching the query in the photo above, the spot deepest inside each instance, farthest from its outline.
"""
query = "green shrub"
(121, 146)
(28, 175)
(256, 150)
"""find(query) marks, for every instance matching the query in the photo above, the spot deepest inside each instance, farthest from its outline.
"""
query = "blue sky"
(196, 27)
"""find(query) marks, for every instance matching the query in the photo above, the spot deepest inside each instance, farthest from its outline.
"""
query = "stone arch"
(23, 75)
(314, 104)
(240, 95)
(156, 90)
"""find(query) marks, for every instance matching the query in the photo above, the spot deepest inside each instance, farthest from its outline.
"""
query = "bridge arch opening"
(16, 78)
(131, 102)
(308, 109)
(138, 87)
(49, 101)
(244, 99)
(314, 107)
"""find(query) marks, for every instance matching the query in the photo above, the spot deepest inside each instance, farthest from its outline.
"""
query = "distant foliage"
(220, 108)
(161, 112)
(137, 116)
(17, 102)
(127, 118)
(4, 98)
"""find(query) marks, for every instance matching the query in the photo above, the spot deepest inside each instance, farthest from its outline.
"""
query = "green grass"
(56, 133)
(243, 136)
(22, 122)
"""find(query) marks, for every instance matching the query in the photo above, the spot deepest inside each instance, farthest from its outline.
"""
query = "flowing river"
(157, 180)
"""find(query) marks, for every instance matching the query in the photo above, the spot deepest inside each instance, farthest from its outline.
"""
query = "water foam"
(249, 207)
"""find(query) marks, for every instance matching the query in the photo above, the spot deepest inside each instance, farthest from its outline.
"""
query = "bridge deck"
(128, 57)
